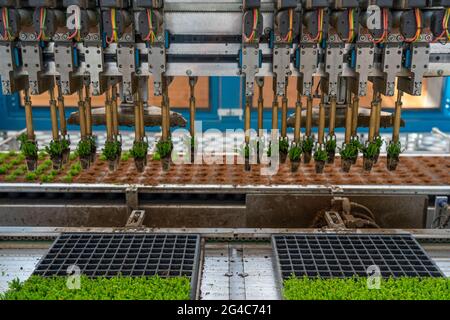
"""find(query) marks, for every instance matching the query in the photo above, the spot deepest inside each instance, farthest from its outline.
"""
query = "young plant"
(73, 156)
(29, 149)
(348, 151)
(371, 150)
(46, 178)
(308, 145)
(139, 150)
(84, 148)
(379, 142)
(55, 149)
(114, 288)
(295, 152)
(164, 148)
(75, 169)
(3, 169)
(112, 150)
(394, 149)
(330, 145)
(283, 145)
(320, 155)
(11, 177)
(31, 176)
(42, 155)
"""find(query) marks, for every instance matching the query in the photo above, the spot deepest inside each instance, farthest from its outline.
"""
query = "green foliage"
(379, 142)
(92, 143)
(125, 156)
(55, 148)
(244, 150)
(84, 147)
(407, 288)
(349, 151)
(12, 153)
(308, 145)
(54, 173)
(139, 150)
(112, 149)
(371, 150)
(330, 144)
(28, 147)
(156, 156)
(15, 161)
(3, 169)
(116, 288)
(320, 155)
(295, 152)
(394, 149)
(164, 148)
(18, 172)
(11, 177)
(356, 144)
(102, 157)
(75, 169)
(42, 155)
(46, 178)
(283, 145)
(73, 156)
(67, 178)
(31, 176)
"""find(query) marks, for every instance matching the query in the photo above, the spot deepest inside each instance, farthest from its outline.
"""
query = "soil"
(319, 165)
(307, 157)
(368, 164)
(347, 164)
(331, 156)
(427, 170)
(295, 165)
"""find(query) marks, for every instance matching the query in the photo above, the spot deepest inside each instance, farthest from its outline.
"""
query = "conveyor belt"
(412, 170)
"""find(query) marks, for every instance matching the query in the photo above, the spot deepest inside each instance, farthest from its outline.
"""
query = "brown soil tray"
(420, 170)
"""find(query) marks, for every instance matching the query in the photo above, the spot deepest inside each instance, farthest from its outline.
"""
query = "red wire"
(319, 26)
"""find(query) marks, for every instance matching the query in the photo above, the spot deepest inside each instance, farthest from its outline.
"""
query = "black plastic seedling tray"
(126, 254)
(347, 255)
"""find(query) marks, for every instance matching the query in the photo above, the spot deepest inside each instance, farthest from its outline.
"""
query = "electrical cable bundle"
(255, 26)
(319, 36)
(42, 22)
(114, 36)
(5, 17)
(151, 34)
(385, 27)
(418, 25)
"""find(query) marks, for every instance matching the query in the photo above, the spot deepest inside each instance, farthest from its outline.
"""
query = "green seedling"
(11, 177)
(115, 288)
(84, 148)
(139, 150)
(125, 156)
(371, 150)
(112, 150)
(73, 156)
(394, 149)
(283, 145)
(56, 148)
(320, 155)
(31, 176)
(75, 169)
(295, 152)
(15, 161)
(164, 148)
(330, 145)
(42, 155)
(3, 169)
(308, 145)
(405, 288)
(156, 156)
(12, 153)
(46, 178)
(18, 172)
(67, 178)
(348, 151)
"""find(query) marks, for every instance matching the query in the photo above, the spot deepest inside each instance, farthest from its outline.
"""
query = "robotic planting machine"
(332, 63)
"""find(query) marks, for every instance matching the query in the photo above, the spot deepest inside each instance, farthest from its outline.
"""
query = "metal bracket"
(250, 66)
(64, 66)
(127, 67)
(334, 60)
(309, 56)
(390, 66)
(93, 56)
(420, 56)
(33, 64)
(364, 64)
(157, 65)
(281, 65)
(441, 216)
(10, 81)
(135, 219)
